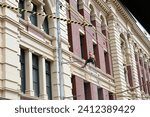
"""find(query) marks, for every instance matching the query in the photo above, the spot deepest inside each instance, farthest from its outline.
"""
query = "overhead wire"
(133, 88)
(3, 5)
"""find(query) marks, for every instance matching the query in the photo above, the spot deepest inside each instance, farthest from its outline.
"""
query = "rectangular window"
(107, 63)
(100, 93)
(21, 6)
(78, 5)
(81, 45)
(22, 72)
(111, 96)
(94, 51)
(33, 17)
(48, 79)
(87, 91)
(73, 87)
(35, 68)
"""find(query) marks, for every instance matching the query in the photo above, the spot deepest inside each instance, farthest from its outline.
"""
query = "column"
(29, 76)
(117, 58)
(143, 73)
(129, 67)
(42, 76)
(147, 76)
(135, 71)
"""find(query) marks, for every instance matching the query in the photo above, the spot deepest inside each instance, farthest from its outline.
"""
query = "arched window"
(80, 7)
(103, 25)
(91, 14)
(21, 6)
(46, 24)
(123, 51)
(33, 17)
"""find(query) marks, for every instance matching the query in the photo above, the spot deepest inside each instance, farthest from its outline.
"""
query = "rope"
(3, 5)
(132, 88)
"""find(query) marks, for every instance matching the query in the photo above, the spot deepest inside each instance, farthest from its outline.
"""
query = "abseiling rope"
(49, 16)
(133, 88)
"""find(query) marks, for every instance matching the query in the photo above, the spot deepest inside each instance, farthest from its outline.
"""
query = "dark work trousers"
(90, 60)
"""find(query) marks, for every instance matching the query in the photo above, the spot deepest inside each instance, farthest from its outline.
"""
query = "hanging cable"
(3, 5)
(133, 88)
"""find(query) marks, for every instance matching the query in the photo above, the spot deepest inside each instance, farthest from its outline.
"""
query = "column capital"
(44, 57)
(30, 50)
(112, 16)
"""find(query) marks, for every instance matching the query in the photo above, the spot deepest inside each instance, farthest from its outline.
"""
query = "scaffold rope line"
(69, 21)
(133, 88)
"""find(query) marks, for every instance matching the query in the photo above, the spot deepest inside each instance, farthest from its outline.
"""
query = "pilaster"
(42, 73)
(29, 74)
(9, 52)
(117, 58)
(134, 69)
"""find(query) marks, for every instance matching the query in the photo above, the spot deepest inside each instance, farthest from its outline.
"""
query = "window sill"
(35, 30)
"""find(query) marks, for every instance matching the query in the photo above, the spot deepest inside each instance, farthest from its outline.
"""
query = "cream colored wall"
(14, 35)
(9, 62)
(119, 25)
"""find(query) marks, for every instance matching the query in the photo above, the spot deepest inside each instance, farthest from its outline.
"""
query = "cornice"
(103, 5)
(131, 20)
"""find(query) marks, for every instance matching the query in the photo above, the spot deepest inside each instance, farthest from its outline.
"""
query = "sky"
(140, 10)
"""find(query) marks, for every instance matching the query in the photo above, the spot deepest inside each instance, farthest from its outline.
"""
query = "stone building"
(41, 52)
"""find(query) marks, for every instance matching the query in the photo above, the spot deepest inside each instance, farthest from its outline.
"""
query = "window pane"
(46, 25)
(35, 70)
(22, 72)
(48, 80)
(21, 6)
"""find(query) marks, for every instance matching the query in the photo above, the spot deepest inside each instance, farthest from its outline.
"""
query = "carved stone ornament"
(29, 8)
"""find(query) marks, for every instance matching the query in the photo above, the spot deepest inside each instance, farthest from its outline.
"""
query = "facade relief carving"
(29, 7)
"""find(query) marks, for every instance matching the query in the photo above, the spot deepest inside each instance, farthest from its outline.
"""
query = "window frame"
(48, 79)
(35, 68)
(22, 73)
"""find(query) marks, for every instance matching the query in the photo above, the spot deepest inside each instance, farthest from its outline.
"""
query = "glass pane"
(21, 6)
(22, 72)
(46, 25)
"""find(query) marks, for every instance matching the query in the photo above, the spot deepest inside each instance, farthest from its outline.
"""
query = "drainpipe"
(58, 52)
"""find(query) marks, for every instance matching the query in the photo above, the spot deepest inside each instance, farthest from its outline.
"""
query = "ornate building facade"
(44, 43)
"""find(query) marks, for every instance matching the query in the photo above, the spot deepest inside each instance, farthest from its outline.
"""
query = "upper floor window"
(103, 26)
(107, 63)
(21, 6)
(80, 7)
(92, 15)
(46, 25)
(33, 17)
(22, 71)
(82, 45)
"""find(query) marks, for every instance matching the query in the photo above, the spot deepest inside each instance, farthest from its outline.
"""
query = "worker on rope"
(91, 59)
